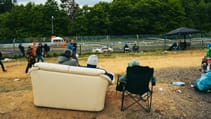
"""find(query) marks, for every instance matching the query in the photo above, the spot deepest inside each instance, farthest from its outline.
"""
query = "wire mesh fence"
(92, 43)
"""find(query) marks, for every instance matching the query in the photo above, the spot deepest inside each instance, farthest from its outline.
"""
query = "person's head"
(34, 43)
(209, 45)
(68, 52)
(204, 58)
(92, 61)
(31, 46)
(133, 63)
(72, 41)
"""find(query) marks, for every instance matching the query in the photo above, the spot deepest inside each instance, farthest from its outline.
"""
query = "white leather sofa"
(69, 87)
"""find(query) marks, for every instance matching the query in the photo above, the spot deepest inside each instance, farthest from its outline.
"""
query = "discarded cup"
(179, 83)
(16, 79)
(161, 89)
(178, 91)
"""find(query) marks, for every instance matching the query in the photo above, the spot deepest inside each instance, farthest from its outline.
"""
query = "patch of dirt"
(169, 102)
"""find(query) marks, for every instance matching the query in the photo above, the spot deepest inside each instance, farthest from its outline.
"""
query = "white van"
(57, 41)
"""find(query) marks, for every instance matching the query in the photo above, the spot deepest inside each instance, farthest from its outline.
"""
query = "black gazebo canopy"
(183, 31)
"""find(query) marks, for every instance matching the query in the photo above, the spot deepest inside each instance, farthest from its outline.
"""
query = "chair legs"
(138, 100)
(123, 99)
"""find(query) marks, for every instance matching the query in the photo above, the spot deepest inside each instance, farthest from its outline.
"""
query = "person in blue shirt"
(39, 53)
(70, 45)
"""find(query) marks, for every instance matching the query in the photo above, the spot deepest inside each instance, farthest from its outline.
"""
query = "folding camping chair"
(139, 87)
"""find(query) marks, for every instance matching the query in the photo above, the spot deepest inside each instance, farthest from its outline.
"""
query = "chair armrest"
(153, 80)
(120, 85)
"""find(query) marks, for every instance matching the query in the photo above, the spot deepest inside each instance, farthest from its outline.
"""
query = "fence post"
(202, 43)
(165, 43)
(13, 45)
(137, 36)
(80, 49)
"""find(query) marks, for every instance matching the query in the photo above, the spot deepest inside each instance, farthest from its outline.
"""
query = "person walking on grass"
(46, 50)
(39, 53)
(1, 63)
(30, 58)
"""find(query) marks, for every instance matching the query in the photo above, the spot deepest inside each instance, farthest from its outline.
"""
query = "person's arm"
(109, 75)
(123, 78)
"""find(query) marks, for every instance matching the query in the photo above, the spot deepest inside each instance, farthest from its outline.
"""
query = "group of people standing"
(34, 53)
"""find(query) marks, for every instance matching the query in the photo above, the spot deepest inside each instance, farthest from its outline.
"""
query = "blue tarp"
(204, 82)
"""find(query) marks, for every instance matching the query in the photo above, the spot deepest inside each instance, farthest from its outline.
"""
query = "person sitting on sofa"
(66, 59)
(92, 63)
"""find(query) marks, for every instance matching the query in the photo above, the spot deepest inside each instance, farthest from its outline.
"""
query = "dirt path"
(169, 102)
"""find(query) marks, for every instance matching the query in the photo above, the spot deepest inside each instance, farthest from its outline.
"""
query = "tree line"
(119, 17)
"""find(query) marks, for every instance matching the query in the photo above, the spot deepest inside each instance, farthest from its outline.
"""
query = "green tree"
(4, 30)
(99, 20)
(120, 17)
(5, 5)
(202, 16)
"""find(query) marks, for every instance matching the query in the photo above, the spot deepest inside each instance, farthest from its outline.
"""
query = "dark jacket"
(67, 60)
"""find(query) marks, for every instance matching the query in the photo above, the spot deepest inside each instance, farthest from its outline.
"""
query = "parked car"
(104, 49)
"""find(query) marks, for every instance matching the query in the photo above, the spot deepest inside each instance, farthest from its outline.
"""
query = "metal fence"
(88, 43)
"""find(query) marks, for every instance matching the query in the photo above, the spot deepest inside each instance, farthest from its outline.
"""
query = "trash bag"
(204, 82)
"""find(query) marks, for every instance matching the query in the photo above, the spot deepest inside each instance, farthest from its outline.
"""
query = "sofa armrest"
(109, 79)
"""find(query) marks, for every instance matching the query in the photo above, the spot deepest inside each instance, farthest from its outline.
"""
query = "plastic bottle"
(178, 83)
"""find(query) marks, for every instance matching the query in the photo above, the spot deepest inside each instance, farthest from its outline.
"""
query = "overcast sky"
(80, 2)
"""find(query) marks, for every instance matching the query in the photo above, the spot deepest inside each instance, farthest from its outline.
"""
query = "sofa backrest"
(70, 69)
